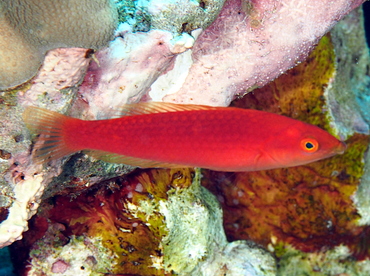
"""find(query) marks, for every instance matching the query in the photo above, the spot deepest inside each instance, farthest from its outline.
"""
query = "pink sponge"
(252, 43)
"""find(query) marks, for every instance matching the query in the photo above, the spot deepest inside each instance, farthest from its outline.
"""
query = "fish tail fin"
(49, 126)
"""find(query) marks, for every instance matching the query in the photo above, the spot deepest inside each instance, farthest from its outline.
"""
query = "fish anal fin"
(128, 160)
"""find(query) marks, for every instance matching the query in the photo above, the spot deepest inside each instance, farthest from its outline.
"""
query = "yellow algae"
(309, 206)
(299, 93)
(156, 222)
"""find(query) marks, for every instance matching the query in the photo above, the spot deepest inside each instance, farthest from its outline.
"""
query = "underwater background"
(118, 220)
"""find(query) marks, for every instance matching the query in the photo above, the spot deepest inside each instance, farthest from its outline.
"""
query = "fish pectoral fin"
(128, 160)
(257, 158)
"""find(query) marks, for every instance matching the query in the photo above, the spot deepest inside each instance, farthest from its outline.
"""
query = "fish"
(168, 135)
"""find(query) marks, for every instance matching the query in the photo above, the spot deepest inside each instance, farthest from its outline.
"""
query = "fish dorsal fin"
(159, 107)
(128, 160)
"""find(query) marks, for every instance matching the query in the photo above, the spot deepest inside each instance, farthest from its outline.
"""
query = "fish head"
(302, 143)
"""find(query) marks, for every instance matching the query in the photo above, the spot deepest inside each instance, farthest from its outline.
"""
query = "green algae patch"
(9, 98)
(336, 261)
(182, 213)
(191, 217)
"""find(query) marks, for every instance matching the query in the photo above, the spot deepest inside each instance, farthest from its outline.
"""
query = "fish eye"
(309, 145)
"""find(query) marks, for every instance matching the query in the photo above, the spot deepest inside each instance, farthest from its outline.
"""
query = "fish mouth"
(341, 148)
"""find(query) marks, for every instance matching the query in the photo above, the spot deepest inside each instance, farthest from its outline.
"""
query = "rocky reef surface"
(97, 217)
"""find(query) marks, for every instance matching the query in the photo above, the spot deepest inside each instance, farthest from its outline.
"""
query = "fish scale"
(171, 135)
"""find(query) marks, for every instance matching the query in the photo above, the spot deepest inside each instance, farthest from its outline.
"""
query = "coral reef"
(30, 28)
(24, 205)
(22, 182)
(349, 96)
(152, 222)
(56, 87)
(190, 15)
(337, 261)
(128, 67)
(309, 208)
(174, 16)
(251, 43)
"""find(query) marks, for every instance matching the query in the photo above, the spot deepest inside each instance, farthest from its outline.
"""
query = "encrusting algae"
(122, 215)
(152, 222)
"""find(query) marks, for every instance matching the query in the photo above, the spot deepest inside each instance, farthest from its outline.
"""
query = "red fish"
(171, 135)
